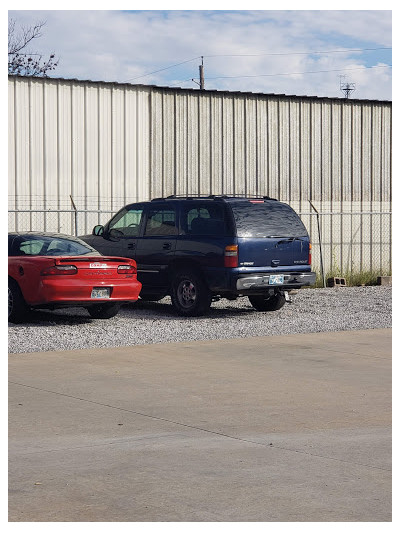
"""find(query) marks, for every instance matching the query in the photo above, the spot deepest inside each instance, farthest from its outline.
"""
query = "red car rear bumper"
(66, 290)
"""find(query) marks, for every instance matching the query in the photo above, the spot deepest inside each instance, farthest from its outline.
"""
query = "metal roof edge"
(198, 91)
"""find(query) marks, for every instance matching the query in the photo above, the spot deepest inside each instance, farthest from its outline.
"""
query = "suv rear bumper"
(291, 280)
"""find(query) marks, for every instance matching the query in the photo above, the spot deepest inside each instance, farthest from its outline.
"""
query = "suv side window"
(127, 221)
(203, 219)
(161, 221)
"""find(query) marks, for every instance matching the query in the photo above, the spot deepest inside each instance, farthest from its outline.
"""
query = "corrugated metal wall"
(70, 138)
(336, 153)
(106, 145)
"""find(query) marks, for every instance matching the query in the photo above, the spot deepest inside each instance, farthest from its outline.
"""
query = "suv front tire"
(189, 294)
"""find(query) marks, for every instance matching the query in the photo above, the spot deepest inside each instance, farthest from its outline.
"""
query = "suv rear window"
(266, 219)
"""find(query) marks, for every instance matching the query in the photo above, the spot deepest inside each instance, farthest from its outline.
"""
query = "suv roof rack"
(214, 197)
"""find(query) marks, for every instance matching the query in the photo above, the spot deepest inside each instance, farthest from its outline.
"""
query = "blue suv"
(201, 249)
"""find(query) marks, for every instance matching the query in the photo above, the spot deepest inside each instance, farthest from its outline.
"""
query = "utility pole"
(201, 72)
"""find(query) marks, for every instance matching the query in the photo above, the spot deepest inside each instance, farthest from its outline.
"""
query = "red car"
(47, 270)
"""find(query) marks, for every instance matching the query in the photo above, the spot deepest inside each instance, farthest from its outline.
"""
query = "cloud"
(121, 46)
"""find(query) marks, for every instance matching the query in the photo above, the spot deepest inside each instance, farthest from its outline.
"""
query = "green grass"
(353, 279)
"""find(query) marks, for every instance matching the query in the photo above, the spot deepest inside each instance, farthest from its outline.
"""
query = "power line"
(160, 70)
(297, 73)
(301, 53)
(259, 55)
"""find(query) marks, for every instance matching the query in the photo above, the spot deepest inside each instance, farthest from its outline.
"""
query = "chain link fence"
(343, 243)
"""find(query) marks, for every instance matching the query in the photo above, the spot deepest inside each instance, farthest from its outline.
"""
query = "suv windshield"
(266, 219)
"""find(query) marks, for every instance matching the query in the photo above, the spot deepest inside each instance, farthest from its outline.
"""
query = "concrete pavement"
(289, 428)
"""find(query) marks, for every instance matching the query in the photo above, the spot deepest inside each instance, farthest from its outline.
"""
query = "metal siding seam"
(99, 187)
(198, 146)
(151, 141)
(257, 154)
(211, 137)
(123, 144)
(112, 147)
(30, 148)
(279, 148)
(58, 150)
(289, 141)
(175, 161)
(85, 144)
(44, 154)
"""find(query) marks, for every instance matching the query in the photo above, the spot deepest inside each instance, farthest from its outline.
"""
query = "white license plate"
(101, 293)
(276, 279)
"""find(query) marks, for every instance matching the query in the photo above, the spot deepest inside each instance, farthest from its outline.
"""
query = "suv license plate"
(276, 279)
(101, 293)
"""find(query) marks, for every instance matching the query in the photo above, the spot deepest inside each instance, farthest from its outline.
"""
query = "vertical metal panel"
(315, 152)
(179, 184)
(294, 156)
(262, 147)
(284, 152)
(22, 143)
(326, 156)
(216, 125)
(250, 185)
(273, 149)
(305, 151)
(105, 147)
(228, 152)
(12, 160)
(386, 151)
(204, 144)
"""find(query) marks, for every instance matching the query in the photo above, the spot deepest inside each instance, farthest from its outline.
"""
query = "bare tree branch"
(21, 61)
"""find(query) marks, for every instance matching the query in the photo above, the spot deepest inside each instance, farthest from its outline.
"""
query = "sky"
(298, 52)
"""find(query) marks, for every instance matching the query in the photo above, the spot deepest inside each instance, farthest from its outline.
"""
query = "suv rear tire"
(189, 294)
(271, 303)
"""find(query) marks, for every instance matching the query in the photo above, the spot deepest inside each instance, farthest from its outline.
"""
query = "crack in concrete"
(241, 439)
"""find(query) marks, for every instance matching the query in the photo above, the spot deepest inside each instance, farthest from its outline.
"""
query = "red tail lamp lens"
(126, 269)
(59, 270)
(231, 256)
(309, 254)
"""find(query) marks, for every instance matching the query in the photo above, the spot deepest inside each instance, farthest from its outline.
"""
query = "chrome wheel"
(187, 294)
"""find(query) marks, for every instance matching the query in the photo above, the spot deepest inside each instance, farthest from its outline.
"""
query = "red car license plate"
(101, 292)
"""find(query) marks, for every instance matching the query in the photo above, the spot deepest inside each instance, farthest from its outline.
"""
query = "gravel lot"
(311, 310)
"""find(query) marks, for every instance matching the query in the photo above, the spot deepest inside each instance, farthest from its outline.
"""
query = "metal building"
(95, 146)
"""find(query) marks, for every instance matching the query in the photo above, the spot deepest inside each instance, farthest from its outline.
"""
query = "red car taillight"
(126, 269)
(309, 254)
(57, 270)
(231, 256)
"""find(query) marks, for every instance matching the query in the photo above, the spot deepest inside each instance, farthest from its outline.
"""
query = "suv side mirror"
(98, 230)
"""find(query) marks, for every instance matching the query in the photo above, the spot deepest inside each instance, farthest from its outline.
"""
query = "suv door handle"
(131, 246)
(167, 246)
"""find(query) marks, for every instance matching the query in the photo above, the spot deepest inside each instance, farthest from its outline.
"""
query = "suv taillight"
(126, 269)
(231, 256)
(309, 253)
(59, 270)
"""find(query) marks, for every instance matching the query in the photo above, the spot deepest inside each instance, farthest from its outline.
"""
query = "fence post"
(75, 215)
(320, 246)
